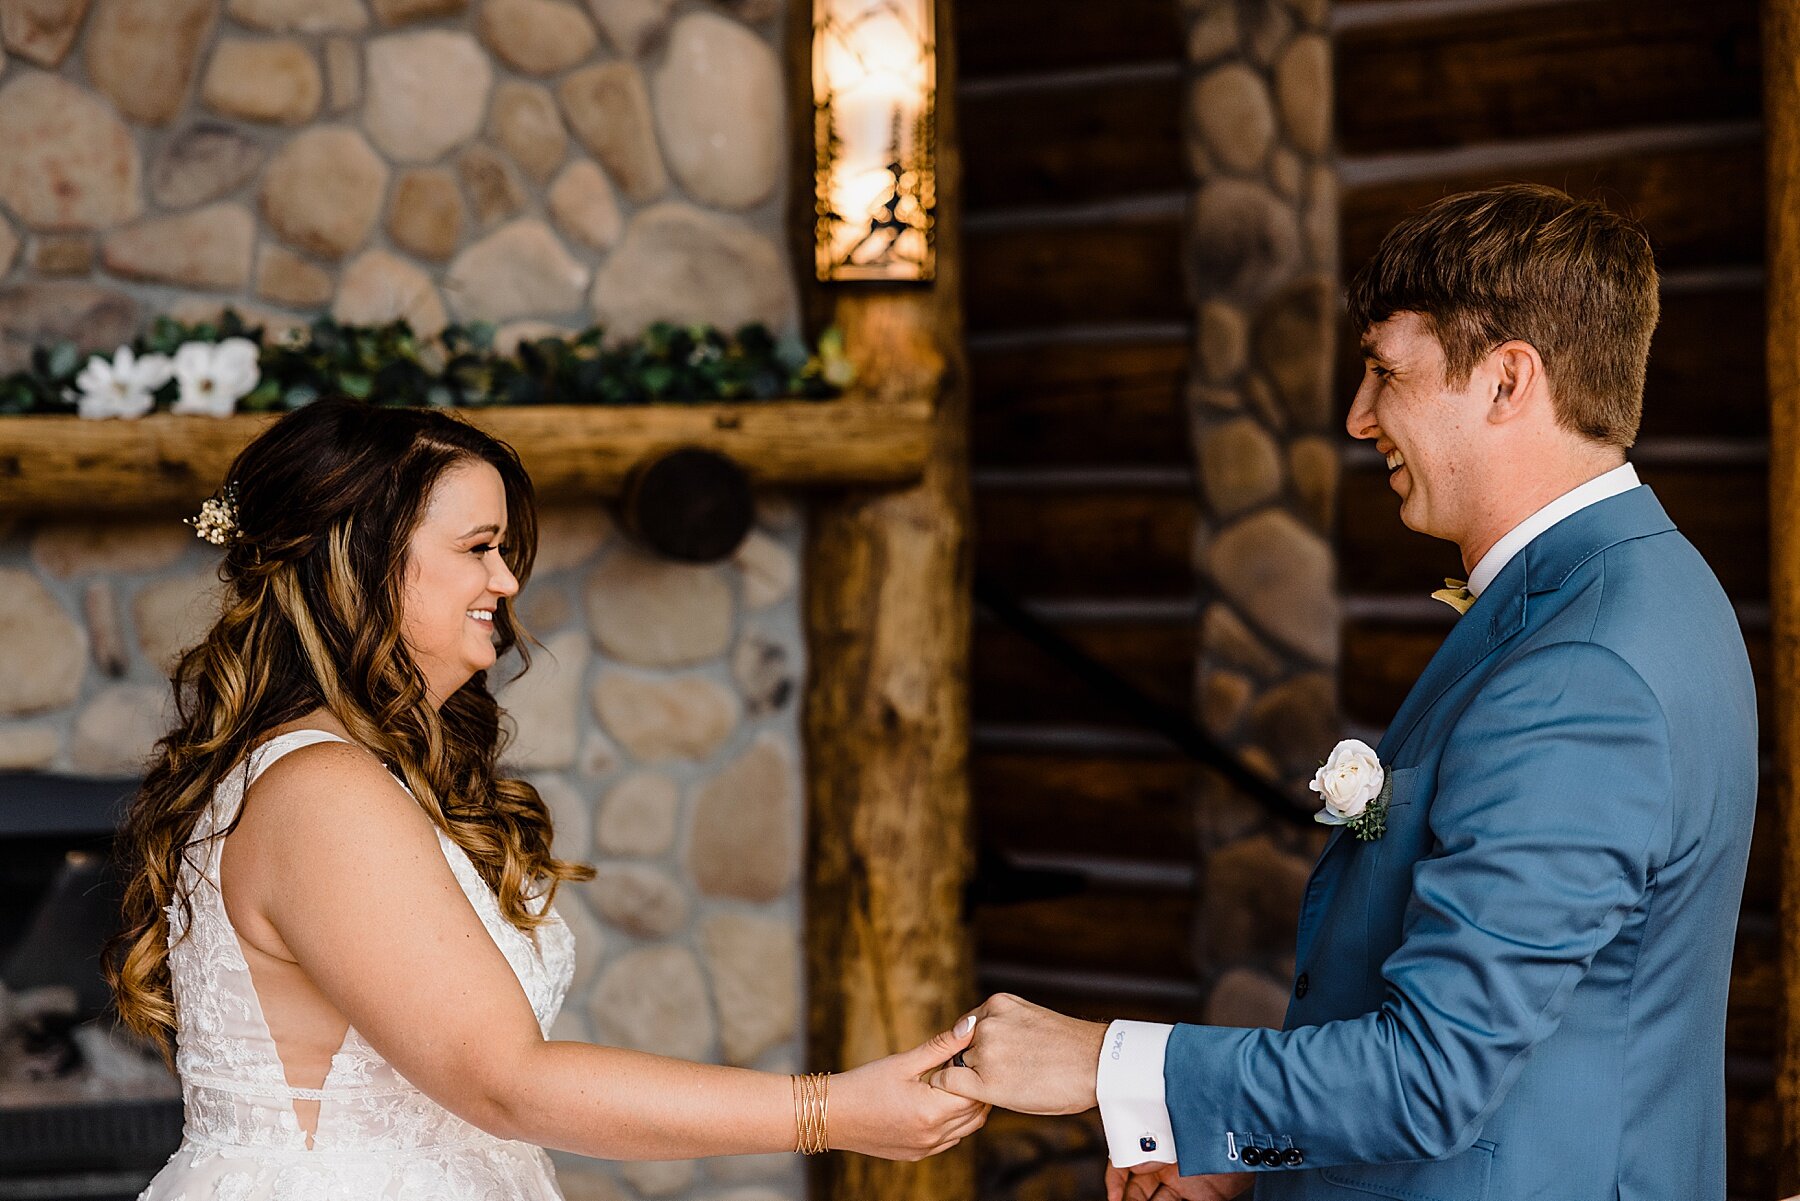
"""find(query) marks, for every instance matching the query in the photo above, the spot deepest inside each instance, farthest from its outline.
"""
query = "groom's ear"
(1519, 383)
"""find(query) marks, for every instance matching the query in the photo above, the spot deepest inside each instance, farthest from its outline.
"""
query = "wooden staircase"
(1079, 335)
(1079, 329)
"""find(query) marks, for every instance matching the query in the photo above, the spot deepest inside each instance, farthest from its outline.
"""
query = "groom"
(1518, 989)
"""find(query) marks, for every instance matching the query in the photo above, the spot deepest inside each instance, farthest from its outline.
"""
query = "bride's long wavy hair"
(327, 500)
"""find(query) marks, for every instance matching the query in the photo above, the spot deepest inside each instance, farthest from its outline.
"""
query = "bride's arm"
(348, 872)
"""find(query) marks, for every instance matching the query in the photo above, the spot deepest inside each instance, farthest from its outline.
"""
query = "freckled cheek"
(437, 615)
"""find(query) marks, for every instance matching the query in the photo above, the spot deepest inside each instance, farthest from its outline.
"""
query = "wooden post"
(887, 711)
(1781, 83)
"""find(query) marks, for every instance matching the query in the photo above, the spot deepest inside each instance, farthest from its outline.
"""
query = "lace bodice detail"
(235, 1088)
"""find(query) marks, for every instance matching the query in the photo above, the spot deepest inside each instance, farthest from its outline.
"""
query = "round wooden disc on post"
(691, 505)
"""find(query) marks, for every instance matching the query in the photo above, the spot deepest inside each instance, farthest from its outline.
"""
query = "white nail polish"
(963, 1027)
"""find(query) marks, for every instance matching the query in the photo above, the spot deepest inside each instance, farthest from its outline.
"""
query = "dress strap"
(265, 754)
(229, 797)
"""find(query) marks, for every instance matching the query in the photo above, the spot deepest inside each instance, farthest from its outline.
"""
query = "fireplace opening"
(86, 1111)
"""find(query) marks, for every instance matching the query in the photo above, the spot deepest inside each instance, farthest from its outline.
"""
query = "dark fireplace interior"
(85, 1111)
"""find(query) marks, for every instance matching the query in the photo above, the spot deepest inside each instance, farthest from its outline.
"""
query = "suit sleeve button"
(1292, 1157)
(1252, 1157)
(1301, 986)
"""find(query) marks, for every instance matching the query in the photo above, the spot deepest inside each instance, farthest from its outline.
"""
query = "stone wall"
(538, 164)
(660, 722)
(1263, 266)
(517, 161)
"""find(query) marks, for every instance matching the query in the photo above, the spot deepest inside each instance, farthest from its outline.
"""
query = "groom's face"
(1427, 431)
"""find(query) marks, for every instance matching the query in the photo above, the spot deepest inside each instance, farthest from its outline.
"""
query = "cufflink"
(1147, 1144)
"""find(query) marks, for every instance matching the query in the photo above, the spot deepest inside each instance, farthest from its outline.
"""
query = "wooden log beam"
(65, 464)
(887, 728)
(1671, 190)
(887, 709)
(1781, 82)
(1473, 76)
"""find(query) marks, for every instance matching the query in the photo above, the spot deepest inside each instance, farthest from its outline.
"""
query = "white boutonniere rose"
(1355, 789)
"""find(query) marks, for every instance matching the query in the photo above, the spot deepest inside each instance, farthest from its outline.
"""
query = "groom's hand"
(1027, 1058)
(1164, 1182)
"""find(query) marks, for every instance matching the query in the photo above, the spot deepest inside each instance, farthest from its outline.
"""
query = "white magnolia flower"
(215, 376)
(1350, 779)
(121, 387)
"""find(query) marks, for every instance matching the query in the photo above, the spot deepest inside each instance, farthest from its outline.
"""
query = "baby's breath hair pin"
(217, 520)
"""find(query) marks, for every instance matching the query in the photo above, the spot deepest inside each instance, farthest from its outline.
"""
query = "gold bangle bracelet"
(816, 1102)
(811, 1113)
(802, 1116)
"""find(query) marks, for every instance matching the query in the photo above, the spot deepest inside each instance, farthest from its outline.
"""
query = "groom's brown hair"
(1571, 277)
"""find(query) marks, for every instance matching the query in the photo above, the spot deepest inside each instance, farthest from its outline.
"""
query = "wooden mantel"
(66, 464)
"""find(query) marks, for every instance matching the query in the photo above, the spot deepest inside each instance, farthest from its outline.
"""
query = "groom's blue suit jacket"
(1518, 992)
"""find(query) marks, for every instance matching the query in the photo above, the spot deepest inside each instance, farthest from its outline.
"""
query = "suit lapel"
(1495, 619)
(1542, 566)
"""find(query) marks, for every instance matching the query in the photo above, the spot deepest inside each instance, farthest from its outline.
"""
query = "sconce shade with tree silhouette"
(874, 108)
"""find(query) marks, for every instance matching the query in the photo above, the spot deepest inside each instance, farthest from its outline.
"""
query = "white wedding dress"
(378, 1138)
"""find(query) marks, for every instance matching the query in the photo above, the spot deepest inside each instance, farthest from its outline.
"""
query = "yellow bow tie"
(1456, 594)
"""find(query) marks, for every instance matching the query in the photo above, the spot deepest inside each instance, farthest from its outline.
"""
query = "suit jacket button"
(1301, 986)
(1252, 1157)
(1292, 1157)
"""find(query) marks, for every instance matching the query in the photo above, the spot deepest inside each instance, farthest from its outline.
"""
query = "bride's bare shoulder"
(326, 815)
(326, 784)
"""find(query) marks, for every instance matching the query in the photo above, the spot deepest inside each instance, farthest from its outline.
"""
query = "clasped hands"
(1034, 1060)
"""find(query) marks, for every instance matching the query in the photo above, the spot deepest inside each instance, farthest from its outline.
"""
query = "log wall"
(1781, 53)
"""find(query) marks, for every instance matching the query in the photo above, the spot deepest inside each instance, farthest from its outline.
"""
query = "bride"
(339, 919)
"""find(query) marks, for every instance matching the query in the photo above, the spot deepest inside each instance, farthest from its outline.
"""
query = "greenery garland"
(389, 364)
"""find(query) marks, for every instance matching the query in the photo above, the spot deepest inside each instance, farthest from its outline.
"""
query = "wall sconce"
(874, 121)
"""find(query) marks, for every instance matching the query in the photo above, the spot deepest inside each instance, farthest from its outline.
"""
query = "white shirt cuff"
(1130, 1089)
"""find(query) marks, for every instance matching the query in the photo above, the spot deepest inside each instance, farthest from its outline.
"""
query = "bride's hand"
(886, 1109)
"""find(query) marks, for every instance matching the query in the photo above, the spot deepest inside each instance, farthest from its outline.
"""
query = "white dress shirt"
(1602, 487)
(1130, 1083)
